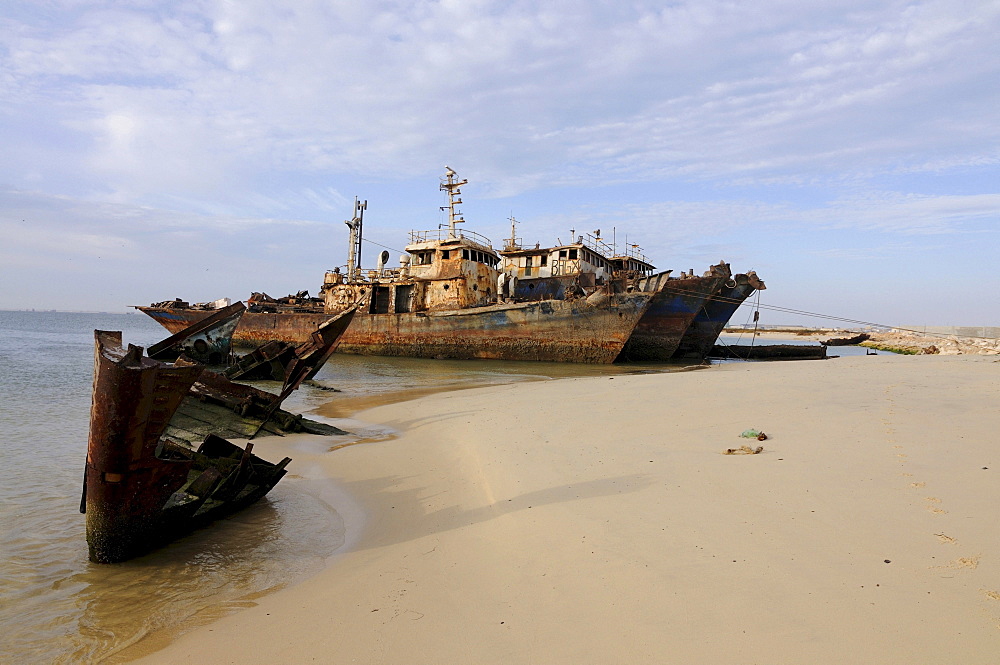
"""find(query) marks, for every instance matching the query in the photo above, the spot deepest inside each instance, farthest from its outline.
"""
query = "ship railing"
(596, 244)
(441, 234)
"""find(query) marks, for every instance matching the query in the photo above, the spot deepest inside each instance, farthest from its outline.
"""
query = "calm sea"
(56, 606)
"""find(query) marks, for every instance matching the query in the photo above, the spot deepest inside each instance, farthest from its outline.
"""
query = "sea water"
(56, 606)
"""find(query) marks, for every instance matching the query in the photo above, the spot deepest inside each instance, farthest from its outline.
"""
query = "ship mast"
(512, 243)
(451, 185)
(354, 252)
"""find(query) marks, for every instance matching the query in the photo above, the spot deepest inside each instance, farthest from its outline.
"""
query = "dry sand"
(597, 520)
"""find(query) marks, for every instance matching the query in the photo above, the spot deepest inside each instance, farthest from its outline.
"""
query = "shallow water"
(57, 607)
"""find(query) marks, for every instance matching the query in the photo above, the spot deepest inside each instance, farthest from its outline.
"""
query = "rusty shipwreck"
(685, 315)
(443, 301)
(158, 465)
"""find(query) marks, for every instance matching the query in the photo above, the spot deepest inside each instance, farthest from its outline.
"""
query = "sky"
(849, 152)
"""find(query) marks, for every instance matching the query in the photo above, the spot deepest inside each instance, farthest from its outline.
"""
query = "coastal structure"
(686, 313)
(445, 300)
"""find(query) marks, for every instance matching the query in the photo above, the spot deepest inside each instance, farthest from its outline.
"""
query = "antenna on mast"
(354, 224)
(512, 242)
(451, 185)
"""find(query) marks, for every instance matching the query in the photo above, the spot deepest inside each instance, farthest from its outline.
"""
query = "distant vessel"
(443, 301)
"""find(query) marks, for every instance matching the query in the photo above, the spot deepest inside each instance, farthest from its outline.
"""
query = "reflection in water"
(77, 611)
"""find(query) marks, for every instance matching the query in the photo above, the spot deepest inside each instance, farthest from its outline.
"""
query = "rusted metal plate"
(553, 330)
(584, 330)
(126, 486)
(208, 340)
(141, 488)
(676, 301)
(715, 314)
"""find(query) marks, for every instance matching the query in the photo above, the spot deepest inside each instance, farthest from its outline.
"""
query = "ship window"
(562, 253)
(572, 254)
(447, 286)
(445, 254)
(544, 260)
(465, 254)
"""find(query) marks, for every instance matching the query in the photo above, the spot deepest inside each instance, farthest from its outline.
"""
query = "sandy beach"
(598, 520)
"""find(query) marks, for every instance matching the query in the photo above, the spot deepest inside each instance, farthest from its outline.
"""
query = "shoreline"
(598, 520)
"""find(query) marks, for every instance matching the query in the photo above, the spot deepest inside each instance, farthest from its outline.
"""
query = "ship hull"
(713, 317)
(141, 490)
(675, 304)
(587, 330)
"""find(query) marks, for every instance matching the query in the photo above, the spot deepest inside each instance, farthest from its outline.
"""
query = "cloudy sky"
(849, 152)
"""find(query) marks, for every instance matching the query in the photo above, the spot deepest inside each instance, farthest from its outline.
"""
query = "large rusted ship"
(686, 313)
(443, 301)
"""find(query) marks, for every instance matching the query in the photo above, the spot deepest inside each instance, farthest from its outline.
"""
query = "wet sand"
(599, 520)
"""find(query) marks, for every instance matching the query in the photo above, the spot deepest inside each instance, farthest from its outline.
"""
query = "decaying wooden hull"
(674, 305)
(715, 314)
(142, 489)
(588, 330)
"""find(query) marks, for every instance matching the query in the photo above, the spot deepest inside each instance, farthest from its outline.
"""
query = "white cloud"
(221, 117)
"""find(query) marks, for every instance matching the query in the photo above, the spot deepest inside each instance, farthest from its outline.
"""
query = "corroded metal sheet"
(715, 314)
(141, 488)
(676, 301)
(208, 340)
(591, 330)
(125, 484)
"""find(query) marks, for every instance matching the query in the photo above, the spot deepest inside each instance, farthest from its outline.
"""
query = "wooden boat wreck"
(145, 484)
(442, 302)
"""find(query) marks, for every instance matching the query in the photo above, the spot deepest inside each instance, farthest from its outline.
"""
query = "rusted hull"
(771, 352)
(674, 306)
(209, 340)
(586, 330)
(282, 361)
(713, 317)
(138, 491)
(254, 329)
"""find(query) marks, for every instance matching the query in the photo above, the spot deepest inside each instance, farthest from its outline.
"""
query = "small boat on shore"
(441, 302)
